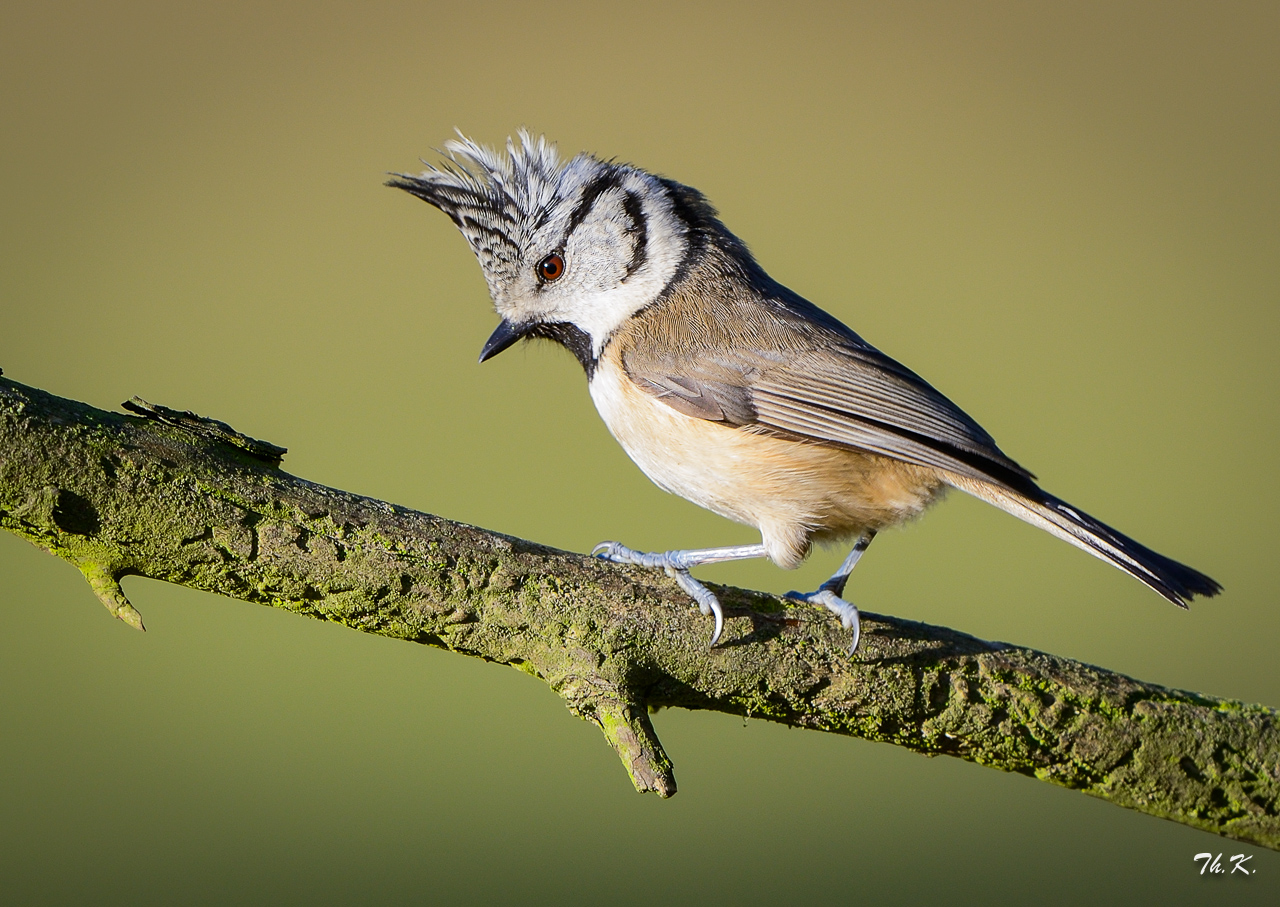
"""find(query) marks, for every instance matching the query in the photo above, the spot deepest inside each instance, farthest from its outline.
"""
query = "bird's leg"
(841, 576)
(678, 563)
(828, 594)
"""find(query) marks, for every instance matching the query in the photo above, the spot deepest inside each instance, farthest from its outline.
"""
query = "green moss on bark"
(121, 495)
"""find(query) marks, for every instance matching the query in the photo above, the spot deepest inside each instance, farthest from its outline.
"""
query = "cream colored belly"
(792, 491)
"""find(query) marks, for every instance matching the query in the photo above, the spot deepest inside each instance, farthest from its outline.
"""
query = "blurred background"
(1065, 216)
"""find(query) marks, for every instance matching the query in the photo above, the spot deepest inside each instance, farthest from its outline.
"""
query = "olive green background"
(1065, 216)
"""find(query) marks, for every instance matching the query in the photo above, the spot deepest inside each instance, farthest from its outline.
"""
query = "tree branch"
(174, 497)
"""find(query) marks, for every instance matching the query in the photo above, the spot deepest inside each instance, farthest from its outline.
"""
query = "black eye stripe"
(610, 179)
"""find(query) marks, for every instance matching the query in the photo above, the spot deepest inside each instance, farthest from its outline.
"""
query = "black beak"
(504, 335)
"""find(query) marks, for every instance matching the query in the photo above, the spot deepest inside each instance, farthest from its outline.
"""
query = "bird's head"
(569, 250)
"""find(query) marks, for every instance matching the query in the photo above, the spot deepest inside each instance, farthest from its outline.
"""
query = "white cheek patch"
(600, 250)
(602, 296)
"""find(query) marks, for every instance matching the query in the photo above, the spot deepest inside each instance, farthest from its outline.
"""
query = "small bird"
(724, 386)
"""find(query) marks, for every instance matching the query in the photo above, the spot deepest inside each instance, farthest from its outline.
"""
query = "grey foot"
(846, 611)
(676, 564)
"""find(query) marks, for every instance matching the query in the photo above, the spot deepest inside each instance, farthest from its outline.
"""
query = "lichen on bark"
(189, 501)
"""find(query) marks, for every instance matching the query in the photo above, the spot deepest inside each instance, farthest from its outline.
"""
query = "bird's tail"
(1176, 582)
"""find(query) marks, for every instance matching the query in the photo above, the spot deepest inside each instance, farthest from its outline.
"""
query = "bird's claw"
(621, 554)
(846, 611)
(609, 550)
(708, 604)
(674, 566)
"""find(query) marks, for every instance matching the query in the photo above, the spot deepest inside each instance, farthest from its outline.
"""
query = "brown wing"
(780, 372)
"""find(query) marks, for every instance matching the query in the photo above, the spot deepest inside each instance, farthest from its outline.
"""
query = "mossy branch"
(175, 497)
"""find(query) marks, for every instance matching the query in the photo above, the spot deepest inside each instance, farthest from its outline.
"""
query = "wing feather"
(800, 418)
(787, 375)
(841, 393)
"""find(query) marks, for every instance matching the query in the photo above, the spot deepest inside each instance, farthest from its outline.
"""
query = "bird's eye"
(551, 268)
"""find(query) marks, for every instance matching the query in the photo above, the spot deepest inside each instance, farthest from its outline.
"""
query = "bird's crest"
(499, 201)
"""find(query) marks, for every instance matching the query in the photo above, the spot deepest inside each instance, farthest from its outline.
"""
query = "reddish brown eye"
(551, 267)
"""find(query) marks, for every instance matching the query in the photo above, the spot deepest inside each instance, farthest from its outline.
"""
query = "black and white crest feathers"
(496, 200)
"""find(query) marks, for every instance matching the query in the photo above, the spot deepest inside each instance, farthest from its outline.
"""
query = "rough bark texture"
(176, 498)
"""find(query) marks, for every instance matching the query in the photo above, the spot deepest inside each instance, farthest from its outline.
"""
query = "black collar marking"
(572, 338)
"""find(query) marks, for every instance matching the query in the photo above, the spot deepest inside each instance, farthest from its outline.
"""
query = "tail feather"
(1176, 582)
